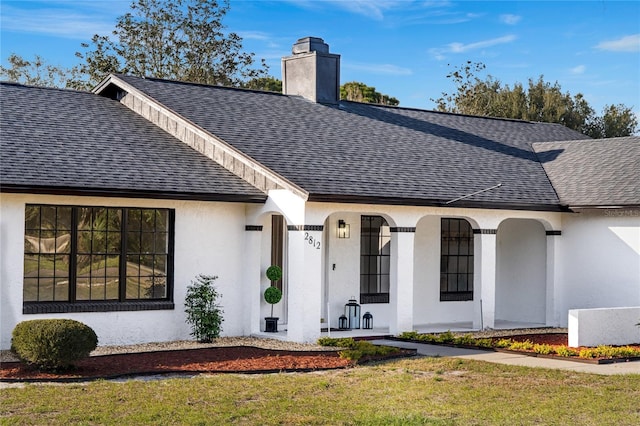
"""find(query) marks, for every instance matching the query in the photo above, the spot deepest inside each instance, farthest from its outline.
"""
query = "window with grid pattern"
(375, 259)
(88, 254)
(456, 261)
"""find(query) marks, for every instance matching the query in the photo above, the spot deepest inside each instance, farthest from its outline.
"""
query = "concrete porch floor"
(420, 328)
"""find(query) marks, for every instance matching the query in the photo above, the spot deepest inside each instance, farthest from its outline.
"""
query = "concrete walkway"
(515, 359)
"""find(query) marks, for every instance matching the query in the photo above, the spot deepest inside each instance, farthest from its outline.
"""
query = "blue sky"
(401, 47)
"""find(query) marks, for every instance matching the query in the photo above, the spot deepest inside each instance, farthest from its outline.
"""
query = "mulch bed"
(235, 359)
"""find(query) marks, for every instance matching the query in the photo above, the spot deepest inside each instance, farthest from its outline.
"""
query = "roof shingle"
(77, 141)
(602, 172)
(364, 152)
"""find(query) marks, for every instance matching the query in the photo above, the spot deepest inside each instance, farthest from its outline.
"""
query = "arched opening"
(521, 272)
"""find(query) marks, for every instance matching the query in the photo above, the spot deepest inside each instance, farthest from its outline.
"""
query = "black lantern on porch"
(343, 323)
(367, 321)
(352, 311)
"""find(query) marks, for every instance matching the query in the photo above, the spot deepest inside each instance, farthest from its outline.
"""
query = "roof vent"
(312, 72)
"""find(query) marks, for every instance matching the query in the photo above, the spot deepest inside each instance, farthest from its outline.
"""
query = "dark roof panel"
(595, 172)
(364, 151)
(77, 141)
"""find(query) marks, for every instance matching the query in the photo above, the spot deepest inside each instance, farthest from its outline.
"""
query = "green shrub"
(446, 337)
(340, 342)
(356, 349)
(203, 312)
(484, 342)
(466, 340)
(409, 335)
(53, 344)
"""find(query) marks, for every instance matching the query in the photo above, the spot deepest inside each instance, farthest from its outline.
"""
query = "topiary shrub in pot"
(272, 295)
(203, 312)
(53, 344)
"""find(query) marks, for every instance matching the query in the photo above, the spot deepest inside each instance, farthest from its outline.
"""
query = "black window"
(456, 263)
(76, 255)
(375, 259)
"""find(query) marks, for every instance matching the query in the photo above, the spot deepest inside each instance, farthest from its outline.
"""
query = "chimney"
(312, 72)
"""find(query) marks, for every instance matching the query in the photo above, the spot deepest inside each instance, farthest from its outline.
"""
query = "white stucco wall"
(604, 326)
(600, 260)
(427, 307)
(209, 239)
(521, 271)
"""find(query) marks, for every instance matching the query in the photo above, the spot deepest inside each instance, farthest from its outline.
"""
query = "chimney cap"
(310, 44)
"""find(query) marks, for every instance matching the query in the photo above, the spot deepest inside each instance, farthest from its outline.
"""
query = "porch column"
(305, 282)
(553, 294)
(401, 285)
(251, 277)
(485, 276)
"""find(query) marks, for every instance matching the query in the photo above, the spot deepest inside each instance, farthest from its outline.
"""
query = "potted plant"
(272, 295)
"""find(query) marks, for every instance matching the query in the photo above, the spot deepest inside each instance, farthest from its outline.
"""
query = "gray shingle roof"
(363, 152)
(75, 141)
(601, 172)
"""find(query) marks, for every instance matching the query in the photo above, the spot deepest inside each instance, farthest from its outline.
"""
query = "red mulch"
(243, 359)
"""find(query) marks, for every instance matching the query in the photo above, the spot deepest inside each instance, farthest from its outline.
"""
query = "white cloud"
(630, 43)
(56, 22)
(510, 19)
(387, 69)
(461, 48)
(580, 69)
(439, 53)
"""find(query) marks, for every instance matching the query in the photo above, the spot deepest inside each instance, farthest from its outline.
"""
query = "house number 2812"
(312, 241)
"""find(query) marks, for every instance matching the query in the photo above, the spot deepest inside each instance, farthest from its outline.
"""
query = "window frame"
(71, 302)
(381, 260)
(452, 260)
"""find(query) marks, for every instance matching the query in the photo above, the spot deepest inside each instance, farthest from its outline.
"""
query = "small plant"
(356, 349)
(273, 294)
(503, 343)
(53, 344)
(446, 337)
(543, 349)
(274, 273)
(203, 312)
(565, 351)
(527, 345)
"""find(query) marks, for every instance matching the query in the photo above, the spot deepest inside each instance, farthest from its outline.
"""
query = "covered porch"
(424, 269)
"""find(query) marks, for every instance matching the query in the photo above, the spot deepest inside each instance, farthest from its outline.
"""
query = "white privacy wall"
(209, 239)
(600, 260)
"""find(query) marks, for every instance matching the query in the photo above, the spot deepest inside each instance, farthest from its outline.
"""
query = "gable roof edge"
(196, 137)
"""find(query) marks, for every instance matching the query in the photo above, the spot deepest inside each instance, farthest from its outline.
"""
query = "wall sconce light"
(343, 229)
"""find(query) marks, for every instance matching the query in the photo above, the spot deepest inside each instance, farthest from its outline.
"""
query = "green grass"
(438, 391)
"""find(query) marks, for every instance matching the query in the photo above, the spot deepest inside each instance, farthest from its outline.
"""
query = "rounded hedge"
(53, 344)
(272, 295)
(274, 273)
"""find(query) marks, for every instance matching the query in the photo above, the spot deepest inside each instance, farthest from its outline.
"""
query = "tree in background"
(269, 84)
(360, 92)
(171, 39)
(540, 101)
(352, 91)
(36, 72)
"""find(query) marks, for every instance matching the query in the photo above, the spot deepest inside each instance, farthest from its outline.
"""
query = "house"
(113, 201)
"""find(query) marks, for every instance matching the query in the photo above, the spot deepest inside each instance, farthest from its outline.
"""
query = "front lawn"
(440, 391)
